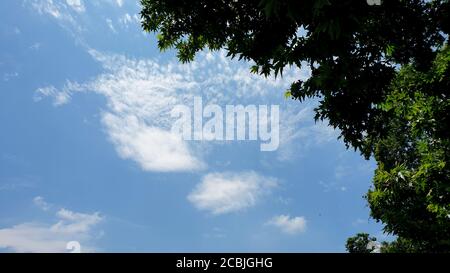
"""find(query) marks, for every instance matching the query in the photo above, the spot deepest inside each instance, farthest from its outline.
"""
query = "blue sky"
(85, 154)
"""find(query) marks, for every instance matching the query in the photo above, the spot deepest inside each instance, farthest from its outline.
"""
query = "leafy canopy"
(352, 47)
(380, 72)
(411, 193)
(360, 243)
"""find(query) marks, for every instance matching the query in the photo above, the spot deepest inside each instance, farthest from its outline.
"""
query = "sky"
(87, 153)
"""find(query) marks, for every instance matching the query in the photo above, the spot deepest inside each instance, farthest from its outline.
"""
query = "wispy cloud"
(16, 183)
(41, 203)
(359, 222)
(110, 24)
(36, 46)
(332, 185)
(119, 3)
(126, 20)
(299, 132)
(52, 237)
(221, 193)
(288, 225)
(59, 97)
(145, 89)
(48, 7)
(17, 31)
(141, 93)
(215, 233)
(9, 76)
(65, 12)
(344, 169)
(77, 5)
(345, 172)
(133, 83)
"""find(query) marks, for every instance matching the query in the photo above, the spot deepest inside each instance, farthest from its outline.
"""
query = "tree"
(400, 245)
(360, 243)
(355, 51)
(352, 47)
(411, 193)
(364, 243)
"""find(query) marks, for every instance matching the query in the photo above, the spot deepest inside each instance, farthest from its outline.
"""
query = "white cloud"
(299, 132)
(215, 233)
(145, 91)
(47, 7)
(110, 25)
(74, 222)
(35, 46)
(346, 172)
(66, 13)
(140, 96)
(360, 221)
(15, 183)
(77, 5)
(131, 84)
(212, 75)
(221, 193)
(153, 148)
(126, 19)
(9, 76)
(346, 169)
(41, 203)
(52, 237)
(57, 9)
(287, 224)
(59, 97)
(374, 246)
(332, 185)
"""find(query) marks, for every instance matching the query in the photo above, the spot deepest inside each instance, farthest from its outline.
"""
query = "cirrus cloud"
(77, 5)
(141, 94)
